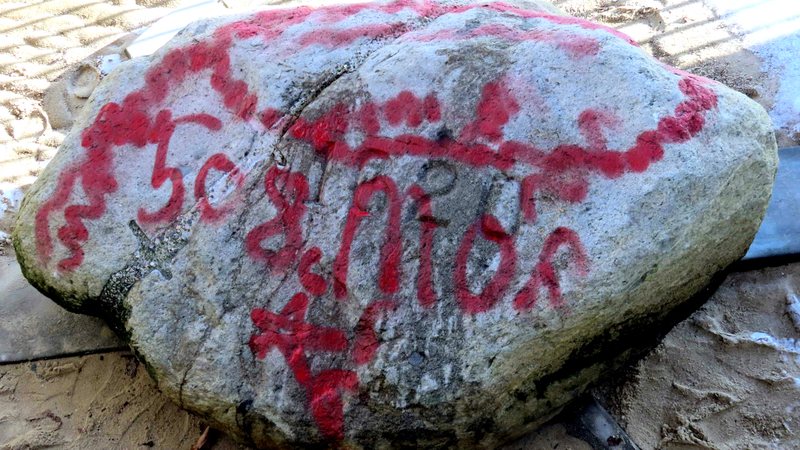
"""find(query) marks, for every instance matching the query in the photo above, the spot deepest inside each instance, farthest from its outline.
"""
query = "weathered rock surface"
(394, 224)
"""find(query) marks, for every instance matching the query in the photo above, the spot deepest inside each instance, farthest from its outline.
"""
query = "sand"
(772, 31)
(93, 402)
(727, 378)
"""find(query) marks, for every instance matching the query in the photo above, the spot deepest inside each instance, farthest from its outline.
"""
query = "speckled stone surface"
(388, 224)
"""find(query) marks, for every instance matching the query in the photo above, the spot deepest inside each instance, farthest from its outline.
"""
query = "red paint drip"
(289, 201)
(492, 230)
(392, 248)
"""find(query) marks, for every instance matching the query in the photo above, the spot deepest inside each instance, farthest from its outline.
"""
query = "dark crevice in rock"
(152, 255)
(192, 361)
(620, 346)
(300, 105)
(331, 77)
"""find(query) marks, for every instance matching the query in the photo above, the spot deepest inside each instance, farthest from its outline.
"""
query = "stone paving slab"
(159, 33)
(34, 327)
(779, 234)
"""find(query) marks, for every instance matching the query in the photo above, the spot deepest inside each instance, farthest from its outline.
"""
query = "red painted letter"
(392, 248)
(491, 230)
(545, 273)
(286, 221)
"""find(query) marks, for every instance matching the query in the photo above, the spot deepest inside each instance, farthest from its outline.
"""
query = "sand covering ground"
(92, 402)
(727, 378)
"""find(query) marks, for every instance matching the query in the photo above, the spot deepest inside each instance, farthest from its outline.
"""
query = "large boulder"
(393, 224)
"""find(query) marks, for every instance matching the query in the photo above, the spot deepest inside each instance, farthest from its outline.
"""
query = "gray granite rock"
(393, 224)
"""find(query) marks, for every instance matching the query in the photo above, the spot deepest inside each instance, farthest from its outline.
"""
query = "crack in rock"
(153, 255)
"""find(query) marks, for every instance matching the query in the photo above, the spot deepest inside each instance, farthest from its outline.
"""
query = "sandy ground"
(93, 402)
(771, 29)
(727, 378)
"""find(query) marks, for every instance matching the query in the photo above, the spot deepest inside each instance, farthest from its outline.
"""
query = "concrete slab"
(34, 327)
(779, 234)
(158, 34)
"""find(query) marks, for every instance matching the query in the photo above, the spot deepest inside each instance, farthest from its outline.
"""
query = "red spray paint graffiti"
(220, 162)
(312, 282)
(544, 275)
(136, 120)
(426, 294)
(562, 173)
(491, 230)
(390, 253)
(162, 134)
(293, 337)
(286, 223)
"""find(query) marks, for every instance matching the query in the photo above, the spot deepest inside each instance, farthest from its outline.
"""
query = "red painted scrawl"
(562, 173)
